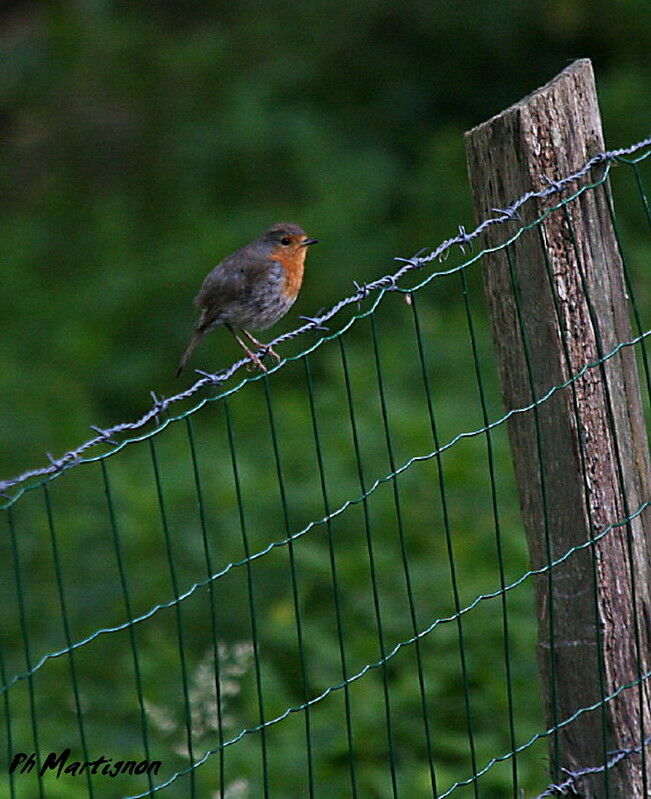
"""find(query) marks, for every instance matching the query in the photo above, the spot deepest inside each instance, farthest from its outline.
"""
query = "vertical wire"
(497, 527)
(580, 434)
(333, 572)
(66, 631)
(7, 705)
(643, 194)
(627, 275)
(295, 591)
(251, 591)
(177, 612)
(371, 559)
(405, 567)
(26, 648)
(620, 476)
(543, 496)
(636, 314)
(127, 606)
(449, 544)
(211, 596)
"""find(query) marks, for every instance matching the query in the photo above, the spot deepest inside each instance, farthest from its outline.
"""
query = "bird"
(252, 288)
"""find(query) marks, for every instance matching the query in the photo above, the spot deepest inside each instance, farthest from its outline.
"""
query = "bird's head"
(286, 237)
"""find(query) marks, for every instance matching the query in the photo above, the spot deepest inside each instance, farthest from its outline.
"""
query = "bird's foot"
(255, 362)
(269, 349)
(264, 348)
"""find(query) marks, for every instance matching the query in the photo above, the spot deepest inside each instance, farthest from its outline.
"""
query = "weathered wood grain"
(595, 460)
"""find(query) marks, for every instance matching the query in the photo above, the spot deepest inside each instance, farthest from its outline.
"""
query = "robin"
(253, 287)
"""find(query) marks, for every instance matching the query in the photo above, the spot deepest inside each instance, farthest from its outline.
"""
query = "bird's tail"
(188, 352)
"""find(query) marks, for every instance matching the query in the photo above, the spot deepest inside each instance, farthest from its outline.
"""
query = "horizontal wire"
(442, 620)
(383, 284)
(409, 641)
(387, 283)
(350, 502)
(534, 738)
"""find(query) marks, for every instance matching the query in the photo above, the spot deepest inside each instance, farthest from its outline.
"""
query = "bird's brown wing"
(229, 283)
(226, 287)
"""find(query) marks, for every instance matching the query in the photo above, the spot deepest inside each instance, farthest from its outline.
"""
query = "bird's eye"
(286, 240)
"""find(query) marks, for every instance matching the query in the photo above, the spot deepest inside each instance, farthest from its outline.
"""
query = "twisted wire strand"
(386, 283)
(390, 655)
(571, 785)
(348, 503)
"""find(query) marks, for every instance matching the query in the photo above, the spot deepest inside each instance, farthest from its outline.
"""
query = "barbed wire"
(570, 786)
(388, 282)
(217, 575)
(538, 736)
(357, 500)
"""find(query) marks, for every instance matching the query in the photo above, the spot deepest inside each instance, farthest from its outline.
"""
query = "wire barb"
(57, 464)
(511, 212)
(551, 183)
(208, 375)
(464, 239)
(105, 434)
(315, 322)
(160, 404)
(362, 289)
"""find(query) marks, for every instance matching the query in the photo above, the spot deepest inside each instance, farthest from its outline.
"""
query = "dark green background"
(141, 142)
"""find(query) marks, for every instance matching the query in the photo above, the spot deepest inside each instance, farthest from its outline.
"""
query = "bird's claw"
(269, 349)
(254, 363)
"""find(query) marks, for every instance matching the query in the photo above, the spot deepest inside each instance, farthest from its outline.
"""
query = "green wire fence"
(313, 582)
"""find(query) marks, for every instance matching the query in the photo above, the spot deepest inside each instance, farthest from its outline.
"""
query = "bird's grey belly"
(259, 314)
(261, 306)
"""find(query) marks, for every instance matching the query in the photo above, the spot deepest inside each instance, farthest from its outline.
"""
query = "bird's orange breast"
(293, 264)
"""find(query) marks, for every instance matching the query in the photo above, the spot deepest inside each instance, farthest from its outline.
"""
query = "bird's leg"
(266, 347)
(250, 355)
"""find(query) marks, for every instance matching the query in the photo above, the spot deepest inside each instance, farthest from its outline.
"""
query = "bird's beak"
(307, 242)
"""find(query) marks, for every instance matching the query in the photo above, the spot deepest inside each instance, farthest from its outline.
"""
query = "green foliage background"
(140, 143)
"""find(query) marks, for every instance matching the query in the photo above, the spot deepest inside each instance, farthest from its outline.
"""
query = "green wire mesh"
(311, 583)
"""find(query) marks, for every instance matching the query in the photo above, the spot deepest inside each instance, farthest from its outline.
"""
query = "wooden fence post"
(592, 466)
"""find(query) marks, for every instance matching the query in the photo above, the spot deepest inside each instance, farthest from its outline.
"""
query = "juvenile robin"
(252, 288)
